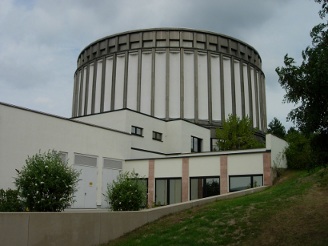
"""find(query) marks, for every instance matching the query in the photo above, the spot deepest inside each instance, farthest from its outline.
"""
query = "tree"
(299, 152)
(276, 128)
(307, 85)
(127, 193)
(46, 183)
(237, 134)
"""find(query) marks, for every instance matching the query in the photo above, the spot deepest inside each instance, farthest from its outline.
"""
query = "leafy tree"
(237, 134)
(307, 85)
(299, 152)
(276, 128)
(127, 193)
(46, 183)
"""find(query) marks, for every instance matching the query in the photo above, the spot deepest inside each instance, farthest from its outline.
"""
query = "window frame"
(204, 191)
(168, 200)
(135, 129)
(199, 144)
(247, 175)
(158, 136)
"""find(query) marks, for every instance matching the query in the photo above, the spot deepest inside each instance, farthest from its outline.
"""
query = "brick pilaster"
(185, 179)
(267, 179)
(151, 183)
(223, 174)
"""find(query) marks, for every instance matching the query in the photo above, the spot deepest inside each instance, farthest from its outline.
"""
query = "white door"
(108, 176)
(86, 194)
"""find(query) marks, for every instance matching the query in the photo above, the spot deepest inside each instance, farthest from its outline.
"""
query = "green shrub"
(9, 201)
(127, 193)
(46, 183)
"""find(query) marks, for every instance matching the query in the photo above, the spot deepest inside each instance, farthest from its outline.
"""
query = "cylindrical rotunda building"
(172, 73)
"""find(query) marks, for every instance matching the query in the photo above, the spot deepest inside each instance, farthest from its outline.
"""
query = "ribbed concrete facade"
(171, 74)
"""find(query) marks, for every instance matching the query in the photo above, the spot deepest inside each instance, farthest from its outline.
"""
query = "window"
(204, 187)
(196, 144)
(214, 145)
(157, 136)
(244, 182)
(144, 183)
(168, 191)
(136, 130)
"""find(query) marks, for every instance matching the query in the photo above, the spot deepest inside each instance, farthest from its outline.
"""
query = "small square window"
(136, 130)
(157, 136)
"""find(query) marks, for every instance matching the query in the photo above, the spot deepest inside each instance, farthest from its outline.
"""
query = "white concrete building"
(131, 112)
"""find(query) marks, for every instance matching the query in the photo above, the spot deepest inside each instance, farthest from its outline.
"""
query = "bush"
(46, 183)
(9, 201)
(127, 193)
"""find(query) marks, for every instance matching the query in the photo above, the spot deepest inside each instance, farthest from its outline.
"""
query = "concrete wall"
(222, 164)
(277, 147)
(88, 227)
(25, 133)
(176, 133)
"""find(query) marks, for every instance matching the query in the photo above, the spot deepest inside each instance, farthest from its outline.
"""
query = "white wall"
(204, 166)
(244, 164)
(24, 133)
(277, 147)
(176, 133)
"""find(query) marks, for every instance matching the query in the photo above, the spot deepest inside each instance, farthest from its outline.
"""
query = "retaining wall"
(87, 227)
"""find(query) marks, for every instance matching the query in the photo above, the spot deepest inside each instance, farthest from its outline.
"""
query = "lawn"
(292, 212)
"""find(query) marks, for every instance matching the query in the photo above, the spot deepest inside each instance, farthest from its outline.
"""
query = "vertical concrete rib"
(167, 82)
(126, 75)
(222, 89)
(139, 79)
(103, 81)
(182, 83)
(209, 91)
(233, 88)
(196, 84)
(112, 99)
(94, 86)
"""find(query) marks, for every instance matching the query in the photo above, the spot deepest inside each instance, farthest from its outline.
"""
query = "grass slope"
(292, 212)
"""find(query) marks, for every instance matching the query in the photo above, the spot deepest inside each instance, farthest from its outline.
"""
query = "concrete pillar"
(151, 183)
(223, 174)
(185, 179)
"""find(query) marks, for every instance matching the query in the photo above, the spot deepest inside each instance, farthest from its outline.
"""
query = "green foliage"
(46, 183)
(298, 152)
(276, 128)
(9, 201)
(127, 193)
(237, 134)
(307, 86)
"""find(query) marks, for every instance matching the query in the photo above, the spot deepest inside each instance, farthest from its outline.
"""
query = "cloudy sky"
(40, 40)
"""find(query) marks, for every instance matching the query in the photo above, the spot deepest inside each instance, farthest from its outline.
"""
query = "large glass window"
(144, 183)
(196, 144)
(204, 187)
(168, 191)
(244, 182)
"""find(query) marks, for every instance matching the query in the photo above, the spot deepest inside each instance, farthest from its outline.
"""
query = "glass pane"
(212, 187)
(257, 181)
(175, 191)
(240, 183)
(196, 188)
(161, 192)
